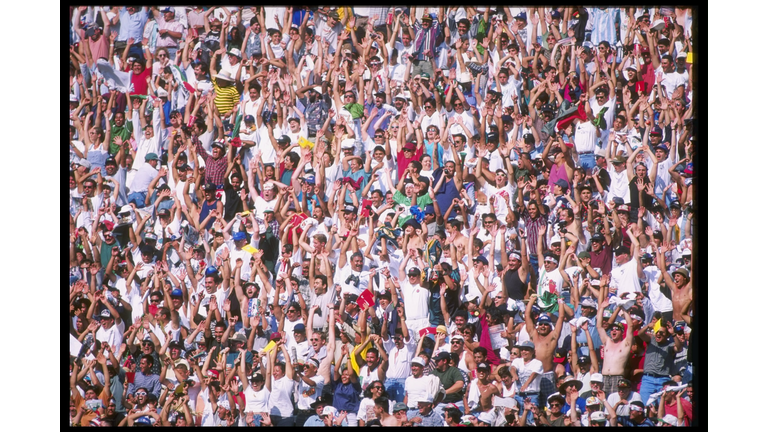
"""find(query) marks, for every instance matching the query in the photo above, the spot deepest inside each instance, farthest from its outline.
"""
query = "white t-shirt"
(280, 397)
(623, 410)
(415, 300)
(624, 277)
(619, 184)
(585, 137)
(256, 401)
(659, 301)
(416, 388)
(307, 395)
(524, 372)
(113, 336)
(608, 116)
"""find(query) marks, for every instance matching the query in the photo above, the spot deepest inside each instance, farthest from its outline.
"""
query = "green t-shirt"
(123, 132)
(448, 379)
(422, 201)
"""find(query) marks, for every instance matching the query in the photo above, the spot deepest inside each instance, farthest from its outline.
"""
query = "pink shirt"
(166, 40)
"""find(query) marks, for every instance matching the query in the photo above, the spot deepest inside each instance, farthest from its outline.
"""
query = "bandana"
(550, 259)
(515, 255)
(635, 408)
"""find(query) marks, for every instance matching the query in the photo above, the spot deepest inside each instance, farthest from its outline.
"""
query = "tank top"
(515, 286)
(204, 210)
(463, 364)
(367, 377)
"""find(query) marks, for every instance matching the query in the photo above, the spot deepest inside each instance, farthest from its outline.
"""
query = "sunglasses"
(140, 393)
(378, 136)
(555, 404)
(377, 387)
(456, 342)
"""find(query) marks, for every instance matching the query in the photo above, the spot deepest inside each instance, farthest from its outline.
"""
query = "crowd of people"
(395, 216)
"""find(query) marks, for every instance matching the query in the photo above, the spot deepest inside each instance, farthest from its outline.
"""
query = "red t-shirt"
(687, 409)
(402, 161)
(140, 82)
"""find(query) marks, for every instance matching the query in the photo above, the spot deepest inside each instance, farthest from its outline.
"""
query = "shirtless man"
(455, 237)
(381, 409)
(545, 339)
(485, 387)
(616, 349)
(680, 284)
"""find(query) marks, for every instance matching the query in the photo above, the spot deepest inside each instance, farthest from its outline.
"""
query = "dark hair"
(453, 413)
(481, 350)
(503, 372)
(323, 279)
(150, 360)
(381, 401)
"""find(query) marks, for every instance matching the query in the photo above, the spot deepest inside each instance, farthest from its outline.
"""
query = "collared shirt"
(433, 419)
(167, 40)
(424, 40)
(132, 26)
(150, 382)
(214, 168)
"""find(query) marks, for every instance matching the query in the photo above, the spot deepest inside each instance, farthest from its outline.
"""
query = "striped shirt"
(532, 230)
(603, 25)
(226, 97)
(424, 40)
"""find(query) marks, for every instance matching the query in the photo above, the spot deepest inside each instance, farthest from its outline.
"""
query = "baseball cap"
(481, 259)
(443, 356)
(592, 401)
(414, 272)
(238, 236)
(597, 416)
(623, 382)
(418, 360)
(526, 345)
(177, 293)
(399, 407)
(483, 366)
(596, 377)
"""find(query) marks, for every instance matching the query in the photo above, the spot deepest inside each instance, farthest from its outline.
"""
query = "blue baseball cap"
(563, 184)
(239, 236)
(555, 14)
(211, 270)
(177, 293)
(522, 16)
(662, 147)
(481, 259)
(249, 118)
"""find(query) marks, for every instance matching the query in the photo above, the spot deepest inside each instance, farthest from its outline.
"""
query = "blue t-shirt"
(581, 403)
(346, 397)
(626, 422)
